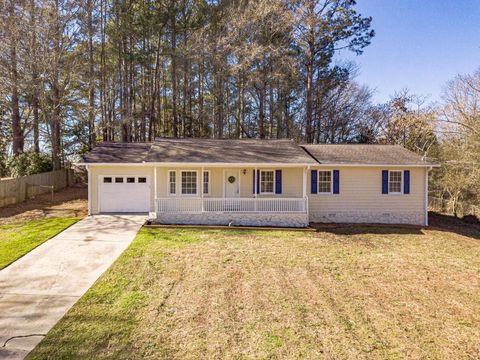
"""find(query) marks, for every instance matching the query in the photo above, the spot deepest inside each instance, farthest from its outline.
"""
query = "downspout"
(89, 186)
(426, 194)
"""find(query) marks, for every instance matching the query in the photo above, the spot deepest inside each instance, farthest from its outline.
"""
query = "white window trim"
(401, 183)
(168, 183)
(179, 186)
(209, 182)
(318, 182)
(260, 192)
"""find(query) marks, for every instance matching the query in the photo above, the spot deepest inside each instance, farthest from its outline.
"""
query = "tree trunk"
(17, 133)
(174, 80)
(35, 79)
(91, 77)
(55, 116)
(309, 103)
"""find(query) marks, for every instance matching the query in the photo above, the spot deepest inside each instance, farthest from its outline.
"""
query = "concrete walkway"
(39, 288)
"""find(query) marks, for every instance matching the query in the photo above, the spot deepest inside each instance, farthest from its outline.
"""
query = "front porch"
(242, 196)
(284, 212)
(230, 205)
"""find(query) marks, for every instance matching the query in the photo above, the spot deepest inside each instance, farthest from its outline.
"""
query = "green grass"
(346, 293)
(18, 239)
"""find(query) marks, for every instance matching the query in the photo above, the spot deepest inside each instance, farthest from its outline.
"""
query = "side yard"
(26, 225)
(348, 292)
(18, 239)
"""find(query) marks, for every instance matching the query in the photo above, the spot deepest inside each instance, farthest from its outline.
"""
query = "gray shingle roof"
(191, 150)
(364, 154)
(117, 153)
(227, 151)
(165, 150)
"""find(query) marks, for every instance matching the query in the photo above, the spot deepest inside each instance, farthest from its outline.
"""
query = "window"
(130, 180)
(142, 180)
(395, 182)
(107, 180)
(267, 181)
(189, 182)
(172, 182)
(119, 180)
(324, 182)
(206, 182)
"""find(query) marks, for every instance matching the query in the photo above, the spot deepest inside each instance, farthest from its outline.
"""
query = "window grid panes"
(189, 183)
(172, 181)
(395, 182)
(266, 181)
(206, 182)
(324, 181)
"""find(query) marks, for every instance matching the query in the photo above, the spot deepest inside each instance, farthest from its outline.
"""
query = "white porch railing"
(198, 205)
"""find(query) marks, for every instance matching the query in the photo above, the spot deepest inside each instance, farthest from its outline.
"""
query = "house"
(258, 182)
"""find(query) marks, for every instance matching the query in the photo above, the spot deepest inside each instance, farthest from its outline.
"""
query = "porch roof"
(201, 151)
(227, 151)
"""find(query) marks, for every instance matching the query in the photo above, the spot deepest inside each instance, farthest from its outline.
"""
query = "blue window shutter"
(258, 181)
(314, 180)
(278, 181)
(336, 181)
(384, 181)
(406, 182)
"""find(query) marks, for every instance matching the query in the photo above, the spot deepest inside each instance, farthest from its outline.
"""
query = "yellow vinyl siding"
(361, 190)
(216, 176)
(291, 183)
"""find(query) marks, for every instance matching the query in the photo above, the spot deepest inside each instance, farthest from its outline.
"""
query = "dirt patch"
(71, 202)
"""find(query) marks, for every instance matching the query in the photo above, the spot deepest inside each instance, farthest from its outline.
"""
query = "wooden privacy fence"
(16, 190)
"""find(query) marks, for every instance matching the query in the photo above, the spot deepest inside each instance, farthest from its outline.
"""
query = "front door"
(232, 183)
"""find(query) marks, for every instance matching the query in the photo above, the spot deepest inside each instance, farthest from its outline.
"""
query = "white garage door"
(122, 193)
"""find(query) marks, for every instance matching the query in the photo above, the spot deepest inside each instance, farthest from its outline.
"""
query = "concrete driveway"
(39, 288)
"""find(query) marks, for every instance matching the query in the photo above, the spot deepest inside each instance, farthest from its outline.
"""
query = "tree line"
(81, 71)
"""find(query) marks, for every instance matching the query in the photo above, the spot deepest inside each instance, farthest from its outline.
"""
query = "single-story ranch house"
(258, 182)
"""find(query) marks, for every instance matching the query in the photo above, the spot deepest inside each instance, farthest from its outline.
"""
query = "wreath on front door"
(231, 179)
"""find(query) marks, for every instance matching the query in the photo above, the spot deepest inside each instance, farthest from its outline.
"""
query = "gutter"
(262, 164)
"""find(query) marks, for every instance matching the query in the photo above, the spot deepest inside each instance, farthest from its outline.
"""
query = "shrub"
(28, 164)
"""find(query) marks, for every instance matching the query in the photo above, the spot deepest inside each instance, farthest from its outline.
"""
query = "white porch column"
(155, 190)
(305, 197)
(201, 186)
(304, 183)
(256, 187)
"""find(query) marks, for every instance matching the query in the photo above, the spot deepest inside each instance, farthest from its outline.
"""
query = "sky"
(419, 45)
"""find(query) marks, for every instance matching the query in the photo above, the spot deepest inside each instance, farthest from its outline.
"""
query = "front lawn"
(17, 239)
(340, 293)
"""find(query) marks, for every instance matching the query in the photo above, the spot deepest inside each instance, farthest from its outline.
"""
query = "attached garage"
(123, 193)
